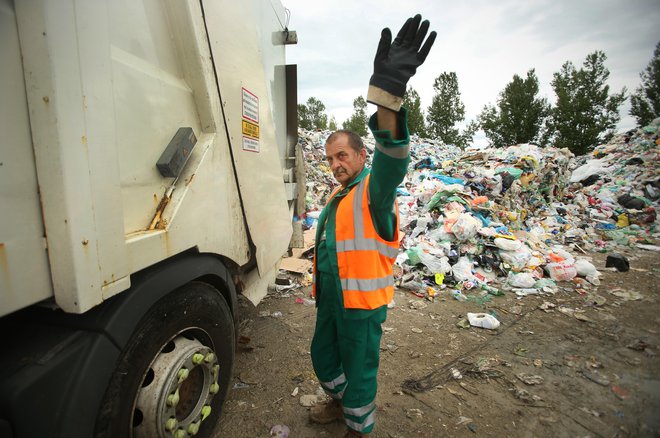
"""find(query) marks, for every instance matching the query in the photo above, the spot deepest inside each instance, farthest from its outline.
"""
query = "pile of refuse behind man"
(482, 222)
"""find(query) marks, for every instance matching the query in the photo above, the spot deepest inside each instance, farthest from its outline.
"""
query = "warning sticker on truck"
(250, 106)
(250, 129)
(250, 144)
(250, 121)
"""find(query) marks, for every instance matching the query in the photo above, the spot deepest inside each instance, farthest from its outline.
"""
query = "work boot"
(326, 413)
(350, 433)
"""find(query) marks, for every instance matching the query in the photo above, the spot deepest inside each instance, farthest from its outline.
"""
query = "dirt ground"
(587, 367)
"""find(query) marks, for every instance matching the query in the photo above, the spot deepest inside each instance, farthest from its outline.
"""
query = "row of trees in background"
(584, 115)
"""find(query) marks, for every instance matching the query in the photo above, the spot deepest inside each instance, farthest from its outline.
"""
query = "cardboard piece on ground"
(299, 266)
(308, 243)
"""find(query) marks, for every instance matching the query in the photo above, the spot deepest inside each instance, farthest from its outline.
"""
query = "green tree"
(317, 114)
(304, 121)
(519, 115)
(489, 122)
(585, 113)
(332, 125)
(312, 115)
(465, 138)
(359, 119)
(645, 103)
(446, 109)
(413, 104)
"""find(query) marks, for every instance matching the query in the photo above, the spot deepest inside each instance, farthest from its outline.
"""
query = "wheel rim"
(177, 390)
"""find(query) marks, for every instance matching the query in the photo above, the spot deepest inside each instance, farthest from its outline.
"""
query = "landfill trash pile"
(519, 220)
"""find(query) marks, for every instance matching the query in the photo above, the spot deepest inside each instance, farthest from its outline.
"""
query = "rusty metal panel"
(24, 275)
(251, 77)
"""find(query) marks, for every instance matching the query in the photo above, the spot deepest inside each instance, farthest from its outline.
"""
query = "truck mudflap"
(52, 377)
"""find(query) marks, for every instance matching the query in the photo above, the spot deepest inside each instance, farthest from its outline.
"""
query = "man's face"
(345, 163)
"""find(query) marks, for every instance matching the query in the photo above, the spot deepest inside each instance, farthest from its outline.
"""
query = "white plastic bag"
(422, 223)
(584, 268)
(507, 244)
(562, 271)
(435, 264)
(466, 227)
(523, 280)
(516, 259)
(462, 270)
(440, 235)
(591, 167)
(483, 320)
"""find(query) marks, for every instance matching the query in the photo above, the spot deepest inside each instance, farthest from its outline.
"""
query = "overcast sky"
(485, 42)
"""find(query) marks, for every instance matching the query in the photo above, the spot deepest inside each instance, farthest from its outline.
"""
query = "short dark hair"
(354, 140)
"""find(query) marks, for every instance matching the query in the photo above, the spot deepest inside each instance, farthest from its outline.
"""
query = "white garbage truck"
(147, 176)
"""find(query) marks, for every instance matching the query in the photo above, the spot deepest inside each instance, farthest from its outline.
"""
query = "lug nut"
(209, 358)
(183, 374)
(180, 434)
(206, 411)
(171, 424)
(193, 428)
(214, 388)
(173, 399)
(197, 358)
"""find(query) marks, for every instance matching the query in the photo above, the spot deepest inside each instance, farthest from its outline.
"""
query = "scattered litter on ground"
(483, 320)
(280, 431)
(530, 379)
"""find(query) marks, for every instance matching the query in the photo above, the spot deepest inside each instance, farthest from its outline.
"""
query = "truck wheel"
(174, 373)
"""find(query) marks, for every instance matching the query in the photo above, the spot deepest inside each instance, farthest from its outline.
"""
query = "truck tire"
(173, 376)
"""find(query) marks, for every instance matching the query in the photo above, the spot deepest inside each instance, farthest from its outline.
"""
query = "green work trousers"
(345, 354)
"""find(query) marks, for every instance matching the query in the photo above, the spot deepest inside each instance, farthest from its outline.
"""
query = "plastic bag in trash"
(591, 167)
(522, 280)
(435, 264)
(507, 244)
(462, 270)
(466, 227)
(516, 259)
(414, 256)
(584, 268)
(561, 271)
(558, 254)
(483, 320)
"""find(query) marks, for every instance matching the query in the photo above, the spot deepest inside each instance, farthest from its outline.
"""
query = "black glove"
(396, 62)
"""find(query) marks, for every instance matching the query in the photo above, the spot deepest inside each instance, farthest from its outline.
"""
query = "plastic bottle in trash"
(491, 290)
(459, 295)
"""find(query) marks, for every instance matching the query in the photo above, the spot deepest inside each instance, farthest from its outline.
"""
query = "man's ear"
(363, 155)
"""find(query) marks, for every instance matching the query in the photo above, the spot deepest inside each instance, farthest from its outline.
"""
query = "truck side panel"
(236, 48)
(108, 85)
(24, 274)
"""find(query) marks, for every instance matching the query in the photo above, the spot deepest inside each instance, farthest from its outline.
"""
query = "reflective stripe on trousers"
(331, 387)
(365, 417)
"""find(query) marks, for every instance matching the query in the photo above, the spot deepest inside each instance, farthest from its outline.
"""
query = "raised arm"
(388, 121)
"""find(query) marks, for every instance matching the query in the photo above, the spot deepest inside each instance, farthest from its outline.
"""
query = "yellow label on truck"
(250, 129)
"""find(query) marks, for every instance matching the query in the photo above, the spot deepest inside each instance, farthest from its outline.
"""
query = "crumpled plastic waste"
(483, 320)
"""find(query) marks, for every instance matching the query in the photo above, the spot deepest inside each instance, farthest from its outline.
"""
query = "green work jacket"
(389, 167)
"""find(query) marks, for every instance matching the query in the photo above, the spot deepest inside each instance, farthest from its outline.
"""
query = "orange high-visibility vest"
(364, 258)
